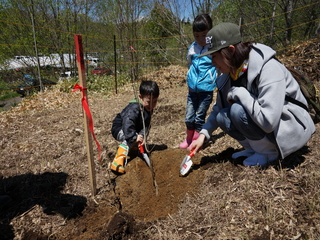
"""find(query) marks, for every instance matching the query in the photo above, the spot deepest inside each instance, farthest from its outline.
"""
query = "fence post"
(115, 63)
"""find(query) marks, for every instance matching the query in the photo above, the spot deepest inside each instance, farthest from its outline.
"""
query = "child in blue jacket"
(201, 80)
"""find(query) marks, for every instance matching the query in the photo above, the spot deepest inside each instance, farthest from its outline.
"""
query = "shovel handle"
(141, 148)
(191, 154)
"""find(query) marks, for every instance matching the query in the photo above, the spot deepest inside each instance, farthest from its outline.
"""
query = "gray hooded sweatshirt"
(264, 101)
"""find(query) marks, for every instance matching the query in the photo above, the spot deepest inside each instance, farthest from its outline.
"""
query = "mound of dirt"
(148, 201)
(136, 197)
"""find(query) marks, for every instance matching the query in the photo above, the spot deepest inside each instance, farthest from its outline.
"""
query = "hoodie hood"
(259, 55)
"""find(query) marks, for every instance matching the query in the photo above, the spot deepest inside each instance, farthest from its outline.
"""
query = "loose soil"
(44, 169)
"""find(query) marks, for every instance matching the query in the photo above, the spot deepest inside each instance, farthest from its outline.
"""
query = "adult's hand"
(197, 144)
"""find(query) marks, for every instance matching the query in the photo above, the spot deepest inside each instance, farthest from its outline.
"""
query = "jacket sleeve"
(188, 56)
(211, 123)
(130, 119)
(147, 120)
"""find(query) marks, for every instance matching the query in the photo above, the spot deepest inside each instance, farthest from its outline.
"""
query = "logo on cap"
(209, 41)
(223, 42)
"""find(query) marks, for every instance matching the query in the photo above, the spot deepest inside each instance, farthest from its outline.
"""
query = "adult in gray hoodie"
(251, 105)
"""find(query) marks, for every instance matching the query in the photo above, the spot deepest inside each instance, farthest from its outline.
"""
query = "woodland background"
(158, 31)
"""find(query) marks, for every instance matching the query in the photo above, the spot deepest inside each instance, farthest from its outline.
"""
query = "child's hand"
(140, 140)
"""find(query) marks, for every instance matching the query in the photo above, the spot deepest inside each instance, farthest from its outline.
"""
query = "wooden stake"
(82, 78)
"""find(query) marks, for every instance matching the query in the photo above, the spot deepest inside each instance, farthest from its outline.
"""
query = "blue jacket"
(202, 75)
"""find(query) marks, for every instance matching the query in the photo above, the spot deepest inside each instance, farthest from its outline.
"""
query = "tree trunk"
(272, 23)
(288, 16)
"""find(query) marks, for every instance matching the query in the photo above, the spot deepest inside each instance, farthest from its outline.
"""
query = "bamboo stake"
(83, 84)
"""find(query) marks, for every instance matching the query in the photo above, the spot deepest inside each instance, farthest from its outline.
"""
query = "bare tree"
(287, 7)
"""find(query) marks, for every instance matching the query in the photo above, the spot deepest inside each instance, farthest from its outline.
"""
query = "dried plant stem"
(145, 142)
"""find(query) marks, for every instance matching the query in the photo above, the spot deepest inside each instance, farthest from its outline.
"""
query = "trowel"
(145, 156)
(187, 163)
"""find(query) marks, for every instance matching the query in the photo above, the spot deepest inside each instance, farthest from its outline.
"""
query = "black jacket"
(131, 122)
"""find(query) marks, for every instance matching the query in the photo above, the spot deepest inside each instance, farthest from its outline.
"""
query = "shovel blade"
(144, 155)
(146, 159)
(186, 165)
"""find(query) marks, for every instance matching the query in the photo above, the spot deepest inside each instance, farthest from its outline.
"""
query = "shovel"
(145, 156)
(186, 163)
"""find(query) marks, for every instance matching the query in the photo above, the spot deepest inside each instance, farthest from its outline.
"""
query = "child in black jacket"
(133, 124)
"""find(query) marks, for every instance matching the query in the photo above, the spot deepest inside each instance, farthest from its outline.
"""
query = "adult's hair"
(149, 88)
(241, 53)
(202, 23)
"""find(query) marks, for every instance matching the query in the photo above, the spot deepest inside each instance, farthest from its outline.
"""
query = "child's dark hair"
(202, 23)
(149, 88)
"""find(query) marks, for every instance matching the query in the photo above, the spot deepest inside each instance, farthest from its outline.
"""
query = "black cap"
(221, 36)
